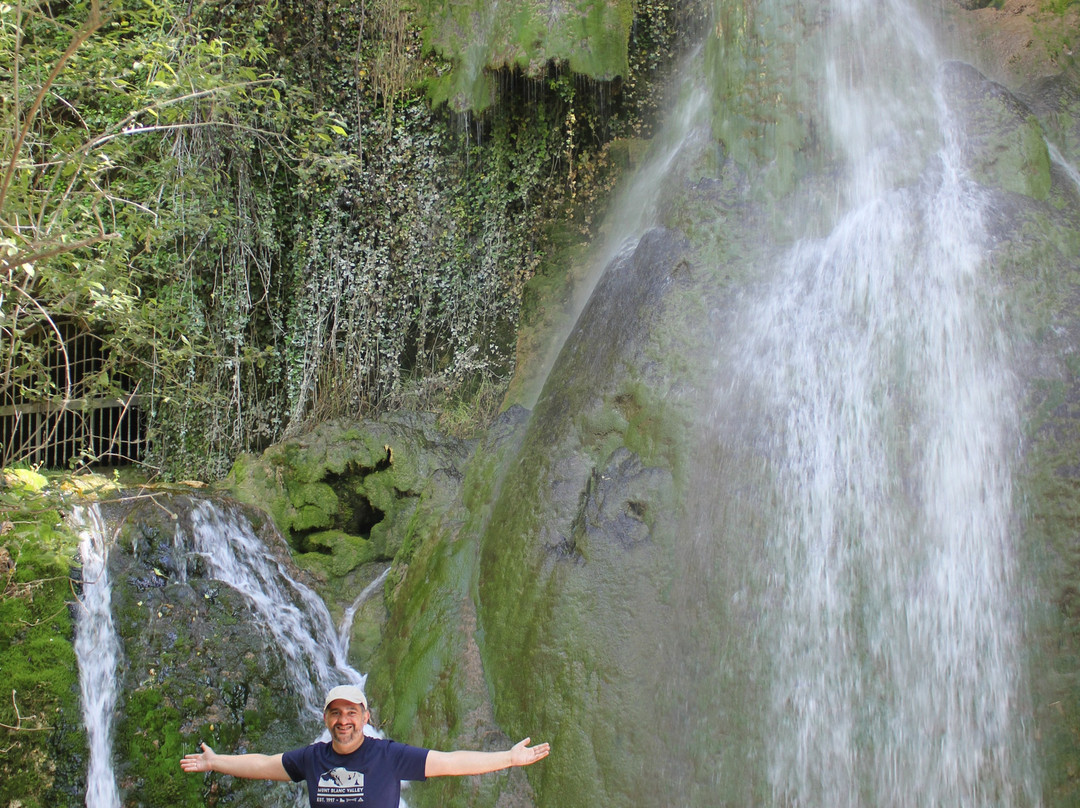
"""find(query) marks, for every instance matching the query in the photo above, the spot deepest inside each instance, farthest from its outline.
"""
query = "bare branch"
(172, 127)
(19, 719)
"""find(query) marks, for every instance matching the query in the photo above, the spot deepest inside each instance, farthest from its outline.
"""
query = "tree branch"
(93, 22)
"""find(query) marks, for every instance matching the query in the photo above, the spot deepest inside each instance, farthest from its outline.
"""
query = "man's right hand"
(251, 767)
(202, 762)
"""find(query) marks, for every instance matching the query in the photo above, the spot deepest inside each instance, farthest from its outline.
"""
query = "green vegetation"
(259, 213)
(42, 743)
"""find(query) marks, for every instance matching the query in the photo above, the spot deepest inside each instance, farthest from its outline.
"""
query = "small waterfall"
(97, 649)
(1059, 160)
(292, 615)
(287, 612)
(345, 626)
(890, 426)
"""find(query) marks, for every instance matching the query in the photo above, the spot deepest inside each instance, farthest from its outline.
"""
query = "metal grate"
(67, 426)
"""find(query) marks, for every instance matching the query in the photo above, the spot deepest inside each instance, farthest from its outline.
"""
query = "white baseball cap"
(349, 693)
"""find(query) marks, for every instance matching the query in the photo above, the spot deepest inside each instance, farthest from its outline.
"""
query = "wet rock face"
(1004, 145)
(580, 534)
(193, 669)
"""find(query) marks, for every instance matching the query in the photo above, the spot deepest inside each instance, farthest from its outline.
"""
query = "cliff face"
(594, 572)
(609, 585)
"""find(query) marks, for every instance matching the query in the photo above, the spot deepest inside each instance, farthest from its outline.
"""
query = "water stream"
(97, 649)
(889, 424)
(636, 208)
(1059, 160)
(290, 613)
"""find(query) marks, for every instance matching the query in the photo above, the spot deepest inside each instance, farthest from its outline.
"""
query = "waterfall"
(97, 649)
(636, 209)
(1059, 160)
(890, 427)
(292, 616)
(287, 612)
(345, 626)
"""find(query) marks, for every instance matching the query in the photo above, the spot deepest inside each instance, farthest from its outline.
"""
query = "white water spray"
(1059, 160)
(291, 614)
(892, 426)
(97, 650)
(636, 208)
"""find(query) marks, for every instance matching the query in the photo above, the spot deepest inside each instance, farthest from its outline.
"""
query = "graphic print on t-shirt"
(339, 786)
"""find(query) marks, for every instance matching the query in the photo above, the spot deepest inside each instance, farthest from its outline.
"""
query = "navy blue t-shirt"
(371, 776)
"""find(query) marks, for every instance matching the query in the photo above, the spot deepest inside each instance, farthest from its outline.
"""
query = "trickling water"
(345, 627)
(890, 430)
(287, 610)
(635, 210)
(97, 649)
(1059, 159)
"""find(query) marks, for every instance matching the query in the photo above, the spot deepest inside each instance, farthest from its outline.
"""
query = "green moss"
(760, 82)
(41, 762)
(333, 553)
(590, 36)
(1014, 158)
(150, 741)
(1051, 534)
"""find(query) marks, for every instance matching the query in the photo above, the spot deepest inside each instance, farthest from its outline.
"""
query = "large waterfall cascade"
(889, 421)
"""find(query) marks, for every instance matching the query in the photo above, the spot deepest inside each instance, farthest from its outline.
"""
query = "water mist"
(889, 425)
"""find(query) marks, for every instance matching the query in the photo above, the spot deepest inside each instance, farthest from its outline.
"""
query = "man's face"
(345, 721)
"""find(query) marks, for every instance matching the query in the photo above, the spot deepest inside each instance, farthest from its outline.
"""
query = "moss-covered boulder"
(428, 679)
(482, 36)
(579, 542)
(349, 495)
(1004, 142)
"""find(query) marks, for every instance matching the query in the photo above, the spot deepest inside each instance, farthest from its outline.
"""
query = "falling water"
(97, 649)
(345, 626)
(290, 613)
(1059, 160)
(636, 209)
(890, 431)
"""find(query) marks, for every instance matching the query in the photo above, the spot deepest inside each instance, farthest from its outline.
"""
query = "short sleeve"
(293, 762)
(409, 761)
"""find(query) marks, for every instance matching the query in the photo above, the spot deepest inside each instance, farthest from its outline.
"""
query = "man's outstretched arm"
(251, 767)
(440, 764)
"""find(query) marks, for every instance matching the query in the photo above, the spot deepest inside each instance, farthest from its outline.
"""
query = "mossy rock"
(1005, 145)
(193, 670)
(45, 755)
(427, 679)
(591, 37)
(345, 494)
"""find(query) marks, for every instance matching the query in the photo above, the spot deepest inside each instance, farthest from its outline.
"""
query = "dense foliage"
(258, 211)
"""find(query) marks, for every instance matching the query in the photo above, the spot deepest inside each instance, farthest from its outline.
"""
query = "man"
(357, 769)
